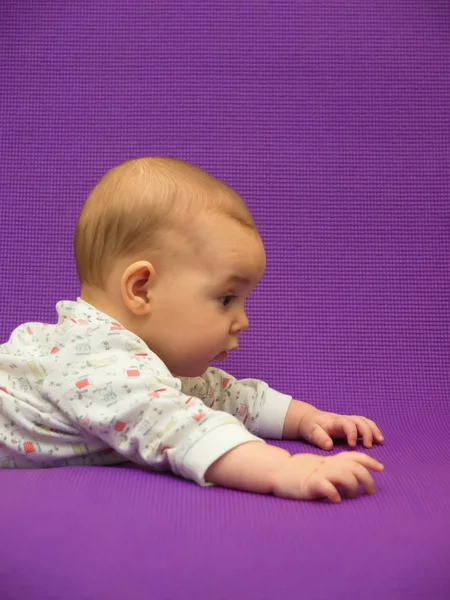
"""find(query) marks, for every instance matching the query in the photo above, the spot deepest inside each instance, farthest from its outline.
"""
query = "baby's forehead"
(236, 265)
(225, 246)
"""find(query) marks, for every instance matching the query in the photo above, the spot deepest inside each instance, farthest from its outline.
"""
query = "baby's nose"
(241, 323)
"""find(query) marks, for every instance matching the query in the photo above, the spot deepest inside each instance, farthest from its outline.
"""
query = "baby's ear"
(136, 284)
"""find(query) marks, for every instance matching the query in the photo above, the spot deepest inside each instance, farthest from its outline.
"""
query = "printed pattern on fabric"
(88, 391)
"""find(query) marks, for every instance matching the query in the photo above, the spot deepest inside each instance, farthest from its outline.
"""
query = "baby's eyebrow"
(236, 279)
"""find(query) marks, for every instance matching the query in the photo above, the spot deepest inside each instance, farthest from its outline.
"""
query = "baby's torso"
(34, 431)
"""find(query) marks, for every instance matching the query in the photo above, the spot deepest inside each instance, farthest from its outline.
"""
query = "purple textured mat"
(333, 122)
(122, 533)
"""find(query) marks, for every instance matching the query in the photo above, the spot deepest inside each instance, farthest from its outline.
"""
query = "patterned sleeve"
(260, 408)
(147, 418)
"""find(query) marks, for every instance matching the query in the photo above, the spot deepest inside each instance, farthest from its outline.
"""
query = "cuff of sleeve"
(273, 414)
(212, 446)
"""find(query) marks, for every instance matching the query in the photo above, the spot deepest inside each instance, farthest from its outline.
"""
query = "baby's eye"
(225, 300)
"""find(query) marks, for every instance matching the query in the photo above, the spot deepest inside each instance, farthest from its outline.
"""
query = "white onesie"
(88, 391)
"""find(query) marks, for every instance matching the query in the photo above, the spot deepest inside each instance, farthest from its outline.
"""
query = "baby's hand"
(319, 427)
(309, 477)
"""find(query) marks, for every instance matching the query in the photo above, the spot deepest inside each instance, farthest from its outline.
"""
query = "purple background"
(333, 122)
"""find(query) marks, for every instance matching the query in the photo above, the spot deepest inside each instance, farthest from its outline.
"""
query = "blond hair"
(138, 206)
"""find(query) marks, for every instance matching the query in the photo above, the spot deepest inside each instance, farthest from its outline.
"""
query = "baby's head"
(172, 254)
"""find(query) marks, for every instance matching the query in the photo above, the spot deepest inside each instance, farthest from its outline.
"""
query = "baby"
(166, 256)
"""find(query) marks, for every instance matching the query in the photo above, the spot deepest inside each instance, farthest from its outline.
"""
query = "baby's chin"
(190, 371)
(196, 370)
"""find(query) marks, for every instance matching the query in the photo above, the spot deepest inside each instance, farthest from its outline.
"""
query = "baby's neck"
(107, 303)
(101, 301)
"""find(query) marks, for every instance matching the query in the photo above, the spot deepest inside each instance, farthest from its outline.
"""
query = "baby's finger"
(364, 478)
(348, 483)
(365, 461)
(364, 430)
(321, 438)
(377, 435)
(350, 430)
(322, 488)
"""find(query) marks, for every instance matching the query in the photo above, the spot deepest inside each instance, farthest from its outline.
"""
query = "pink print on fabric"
(155, 393)
(133, 372)
(29, 448)
(198, 417)
(82, 383)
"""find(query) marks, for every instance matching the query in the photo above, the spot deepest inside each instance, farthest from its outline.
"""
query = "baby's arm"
(139, 410)
(260, 408)
(150, 421)
(144, 415)
(264, 469)
(270, 414)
